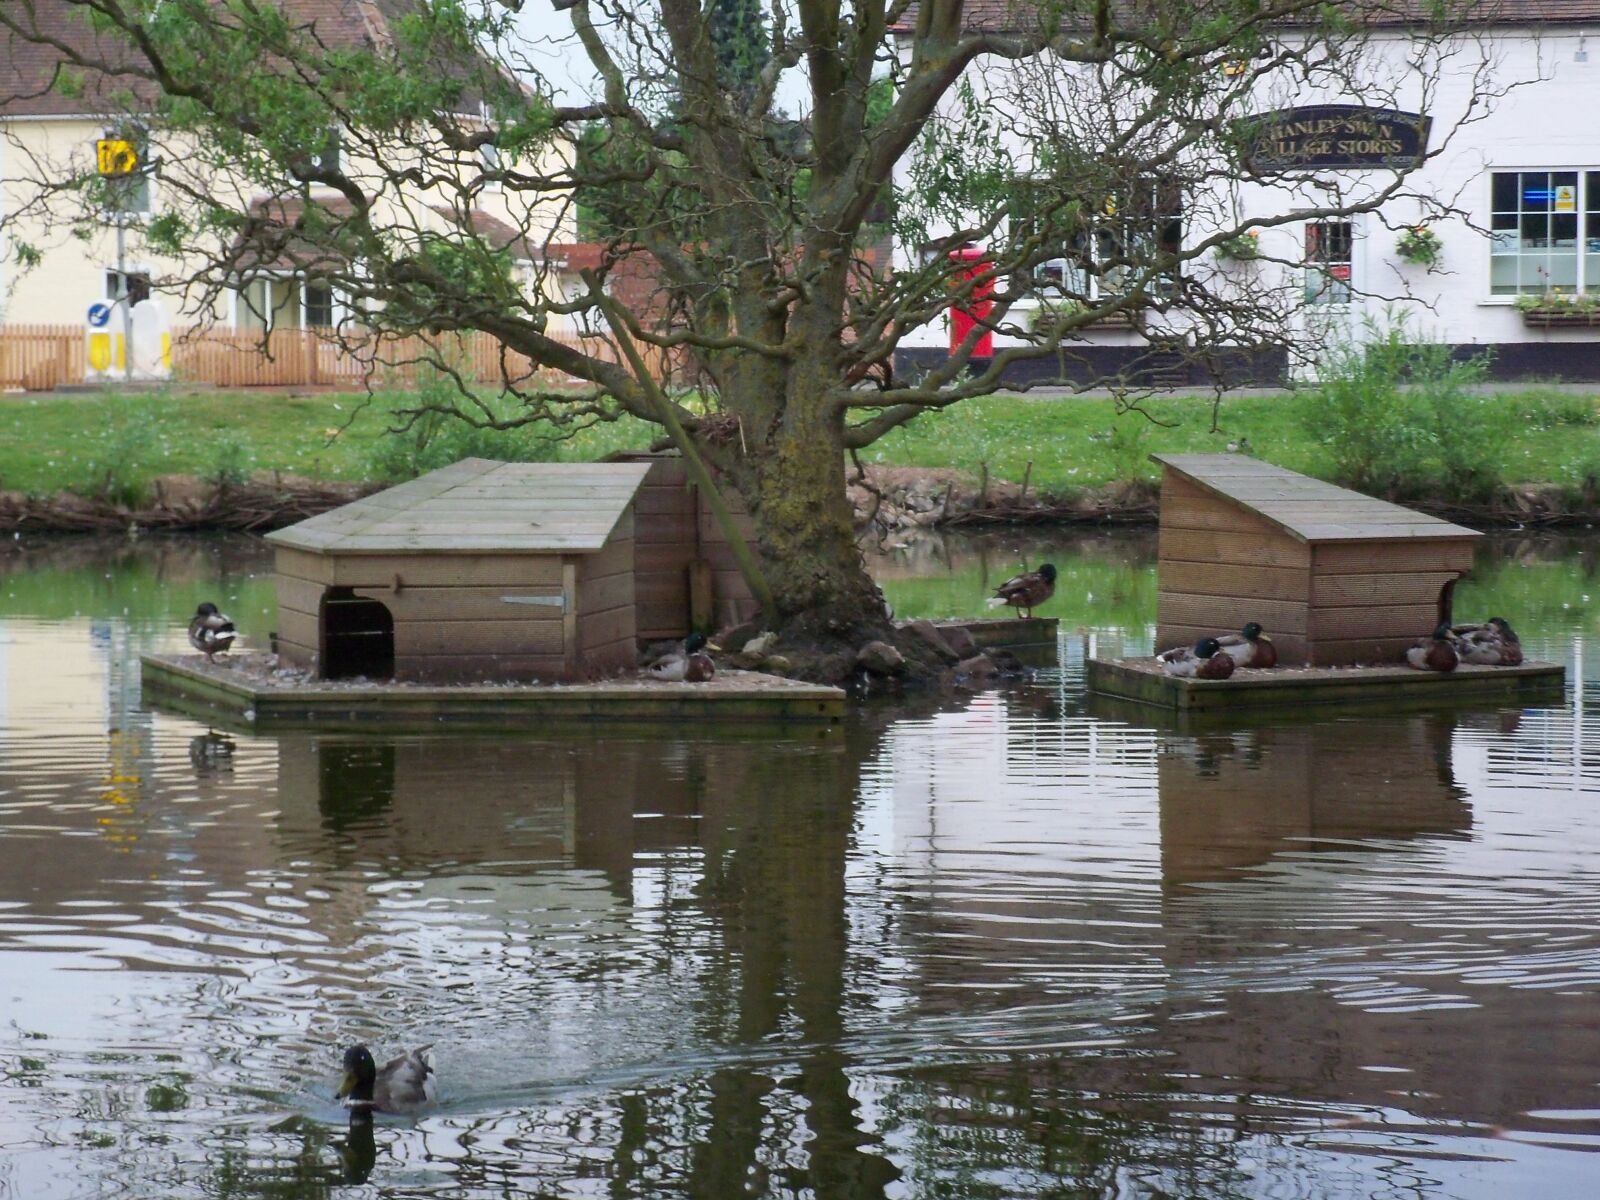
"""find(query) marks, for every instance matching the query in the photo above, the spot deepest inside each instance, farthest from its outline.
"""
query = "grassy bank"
(112, 446)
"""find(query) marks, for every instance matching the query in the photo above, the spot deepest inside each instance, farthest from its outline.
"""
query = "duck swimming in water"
(405, 1084)
(210, 632)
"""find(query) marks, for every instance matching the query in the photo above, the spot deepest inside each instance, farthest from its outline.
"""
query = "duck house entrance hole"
(357, 636)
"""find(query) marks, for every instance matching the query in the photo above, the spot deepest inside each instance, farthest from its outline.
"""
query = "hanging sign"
(1335, 135)
(116, 156)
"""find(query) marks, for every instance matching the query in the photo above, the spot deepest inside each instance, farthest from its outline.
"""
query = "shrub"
(119, 467)
(1399, 419)
(438, 439)
(1550, 410)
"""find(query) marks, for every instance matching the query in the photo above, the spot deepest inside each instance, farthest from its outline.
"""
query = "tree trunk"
(793, 484)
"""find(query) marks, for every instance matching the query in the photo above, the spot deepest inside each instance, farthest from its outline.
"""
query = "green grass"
(113, 445)
(1548, 437)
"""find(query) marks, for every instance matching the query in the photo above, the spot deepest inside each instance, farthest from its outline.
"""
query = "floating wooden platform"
(240, 694)
(1142, 681)
(1032, 639)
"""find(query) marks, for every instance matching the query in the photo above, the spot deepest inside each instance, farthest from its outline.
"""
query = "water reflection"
(1234, 798)
(998, 947)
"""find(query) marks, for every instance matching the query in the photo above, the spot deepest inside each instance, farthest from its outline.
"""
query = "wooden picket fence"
(41, 357)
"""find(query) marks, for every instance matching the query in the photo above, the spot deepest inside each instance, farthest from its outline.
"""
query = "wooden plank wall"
(1220, 566)
(673, 527)
(301, 579)
(1329, 604)
(607, 631)
(452, 618)
(1371, 600)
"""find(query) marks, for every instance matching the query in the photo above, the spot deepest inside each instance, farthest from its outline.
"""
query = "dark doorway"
(357, 636)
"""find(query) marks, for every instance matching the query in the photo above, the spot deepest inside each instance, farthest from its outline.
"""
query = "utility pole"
(118, 161)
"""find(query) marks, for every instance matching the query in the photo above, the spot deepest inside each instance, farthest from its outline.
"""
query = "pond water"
(984, 946)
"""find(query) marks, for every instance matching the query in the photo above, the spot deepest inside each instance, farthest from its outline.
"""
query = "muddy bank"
(891, 500)
(886, 501)
(179, 502)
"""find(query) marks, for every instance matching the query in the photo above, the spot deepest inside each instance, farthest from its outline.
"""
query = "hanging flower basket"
(1242, 247)
(1420, 245)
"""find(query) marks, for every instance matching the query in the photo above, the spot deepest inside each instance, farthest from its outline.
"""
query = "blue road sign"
(99, 315)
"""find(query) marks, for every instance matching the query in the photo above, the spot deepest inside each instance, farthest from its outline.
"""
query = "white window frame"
(1342, 291)
(1587, 203)
(1081, 283)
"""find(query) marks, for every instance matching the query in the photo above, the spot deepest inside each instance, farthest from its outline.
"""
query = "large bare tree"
(749, 164)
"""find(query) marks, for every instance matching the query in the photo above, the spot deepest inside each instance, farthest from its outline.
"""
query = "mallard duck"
(1249, 647)
(1203, 660)
(406, 1083)
(1027, 591)
(210, 632)
(691, 664)
(1436, 653)
(1492, 644)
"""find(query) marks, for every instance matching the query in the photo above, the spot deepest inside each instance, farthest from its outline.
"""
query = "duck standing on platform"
(1492, 644)
(1249, 647)
(210, 632)
(1206, 659)
(406, 1084)
(1436, 653)
(691, 664)
(1027, 591)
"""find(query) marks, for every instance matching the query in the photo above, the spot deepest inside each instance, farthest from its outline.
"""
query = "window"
(328, 158)
(1544, 232)
(135, 285)
(1103, 256)
(1329, 258)
(268, 303)
(489, 159)
(319, 304)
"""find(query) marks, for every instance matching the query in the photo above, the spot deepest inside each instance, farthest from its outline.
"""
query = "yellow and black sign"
(117, 156)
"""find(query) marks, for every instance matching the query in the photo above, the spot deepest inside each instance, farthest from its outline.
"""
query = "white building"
(1511, 195)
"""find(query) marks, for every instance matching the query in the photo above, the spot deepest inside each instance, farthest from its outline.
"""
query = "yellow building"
(57, 257)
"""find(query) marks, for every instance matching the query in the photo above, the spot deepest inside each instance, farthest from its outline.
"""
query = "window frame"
(1083, 273)
(1323, 288)
(1586, 244)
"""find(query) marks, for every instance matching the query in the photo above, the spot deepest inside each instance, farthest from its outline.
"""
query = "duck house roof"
(479, 506)
(1307, 509)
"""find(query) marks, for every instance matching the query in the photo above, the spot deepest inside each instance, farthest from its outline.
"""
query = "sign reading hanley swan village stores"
(1335, 135)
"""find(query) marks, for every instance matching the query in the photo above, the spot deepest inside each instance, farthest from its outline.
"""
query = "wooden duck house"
(481, 571)
(1334, 577)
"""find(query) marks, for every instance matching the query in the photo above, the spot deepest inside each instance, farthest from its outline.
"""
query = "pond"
(992, 945)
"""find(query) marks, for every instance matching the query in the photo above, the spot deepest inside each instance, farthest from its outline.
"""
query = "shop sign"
(1335, 135)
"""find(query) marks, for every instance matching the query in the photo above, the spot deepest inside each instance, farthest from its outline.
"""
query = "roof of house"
(29, 70)
(479, 506)
(1012, 16)
(1307, 509)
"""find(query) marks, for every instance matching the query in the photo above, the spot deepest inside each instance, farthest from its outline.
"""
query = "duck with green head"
(1250, 647)
(406, 1083)
(691, 664)
(1436, 653)
(1206, 659)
